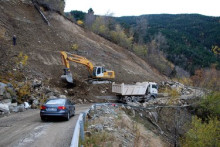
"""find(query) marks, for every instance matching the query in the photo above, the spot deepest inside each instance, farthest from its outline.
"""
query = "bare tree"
(89, 18)
(141, 29)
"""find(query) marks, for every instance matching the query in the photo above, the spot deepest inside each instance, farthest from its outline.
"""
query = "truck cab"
(152, 89)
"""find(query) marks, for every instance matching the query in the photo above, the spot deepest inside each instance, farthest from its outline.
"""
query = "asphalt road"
(26, 129)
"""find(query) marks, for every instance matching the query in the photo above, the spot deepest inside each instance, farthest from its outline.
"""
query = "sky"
(140, 7)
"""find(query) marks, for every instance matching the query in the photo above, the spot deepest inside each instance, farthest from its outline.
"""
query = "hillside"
(187, 39)
(190, 37)
(42, 43)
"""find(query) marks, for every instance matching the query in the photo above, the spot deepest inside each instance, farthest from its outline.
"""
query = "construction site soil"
(42, 43)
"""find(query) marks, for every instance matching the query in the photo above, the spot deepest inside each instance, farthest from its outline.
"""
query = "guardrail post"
(82, 130)
(84, 117)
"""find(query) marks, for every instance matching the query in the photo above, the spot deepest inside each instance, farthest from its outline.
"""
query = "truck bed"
(128, 89)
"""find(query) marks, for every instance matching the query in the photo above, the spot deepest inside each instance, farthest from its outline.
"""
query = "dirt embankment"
(42, 44)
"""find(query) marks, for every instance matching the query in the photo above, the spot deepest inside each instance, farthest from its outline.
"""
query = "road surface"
(26, 129)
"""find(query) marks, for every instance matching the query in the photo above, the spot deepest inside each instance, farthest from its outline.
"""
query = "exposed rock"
(133, 112)
(154, 115)
(128, 107)
(50, 94)
(54, 5)
(141, 115)
(52, 97)
(80, 101)
(109, 129)
(36, 83)
(62, 96)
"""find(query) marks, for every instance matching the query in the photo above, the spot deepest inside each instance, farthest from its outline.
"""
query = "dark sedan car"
(57, 107)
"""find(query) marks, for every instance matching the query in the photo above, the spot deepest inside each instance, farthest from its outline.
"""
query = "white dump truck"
(139, 92)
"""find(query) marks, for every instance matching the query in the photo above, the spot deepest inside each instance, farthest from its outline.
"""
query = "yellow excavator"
(97, 73)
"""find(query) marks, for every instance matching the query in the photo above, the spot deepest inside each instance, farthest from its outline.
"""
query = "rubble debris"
(182, 89)
(123, 131)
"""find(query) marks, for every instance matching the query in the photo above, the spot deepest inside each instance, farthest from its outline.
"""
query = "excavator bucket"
(67, 77)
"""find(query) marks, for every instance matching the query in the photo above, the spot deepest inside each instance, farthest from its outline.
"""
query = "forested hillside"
(190, 37)
(190, 41)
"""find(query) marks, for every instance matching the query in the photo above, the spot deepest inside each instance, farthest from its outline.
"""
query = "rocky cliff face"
(55, 5)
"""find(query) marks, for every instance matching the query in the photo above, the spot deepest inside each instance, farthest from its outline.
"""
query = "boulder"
(19, 108)
(98, 128)
(36, 83)
(9, 92)
(36, 102)
(26, 105)
(4, 108)
(6, 101)
(2, 88)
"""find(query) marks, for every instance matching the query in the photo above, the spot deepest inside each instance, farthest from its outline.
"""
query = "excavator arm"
(66, 57)
(97, 72)
(77, 59)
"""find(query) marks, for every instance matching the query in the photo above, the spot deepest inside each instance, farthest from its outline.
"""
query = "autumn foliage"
(207, 78)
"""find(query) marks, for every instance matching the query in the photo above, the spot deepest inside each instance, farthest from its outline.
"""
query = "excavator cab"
(102, 73)
(98, 71)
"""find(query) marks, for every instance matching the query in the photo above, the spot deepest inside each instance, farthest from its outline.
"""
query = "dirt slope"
(42, 44)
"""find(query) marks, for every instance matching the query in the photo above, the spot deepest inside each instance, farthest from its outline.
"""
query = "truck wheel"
(152, 98)
(134, 99)
(127, 99)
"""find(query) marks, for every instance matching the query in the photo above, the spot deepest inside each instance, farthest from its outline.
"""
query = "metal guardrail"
(79, 128)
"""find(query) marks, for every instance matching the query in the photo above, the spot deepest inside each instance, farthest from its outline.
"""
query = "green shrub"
(202, 134)
(21, 59)
(140, 50)
(210, 105)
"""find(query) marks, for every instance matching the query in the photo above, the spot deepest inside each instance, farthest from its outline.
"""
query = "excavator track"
(98, 81)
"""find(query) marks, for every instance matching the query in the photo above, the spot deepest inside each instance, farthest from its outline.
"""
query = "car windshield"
(56, 101)
(154, 86)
